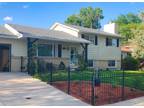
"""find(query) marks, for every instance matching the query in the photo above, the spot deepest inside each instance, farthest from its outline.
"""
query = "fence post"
(93, 90)
(21, 58)
(123, 84)
(51, 73)
(68, 89)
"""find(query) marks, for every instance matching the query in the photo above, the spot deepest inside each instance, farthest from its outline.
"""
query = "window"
(59, 50)
(44, 50)
(96, 40)
(111, 63)
(112, 42)
(90, 63)
(93, 39)
(73, 55)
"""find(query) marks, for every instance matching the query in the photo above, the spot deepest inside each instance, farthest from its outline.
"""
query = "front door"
(73, 55)
(4, 58)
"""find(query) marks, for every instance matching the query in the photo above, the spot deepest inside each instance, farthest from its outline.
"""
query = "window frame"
(91, 62)
(111, 64)
(112, 42)
(90, 38)
(52, 50)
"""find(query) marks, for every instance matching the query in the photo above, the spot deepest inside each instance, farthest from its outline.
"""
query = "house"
(103, 51)
(60, 43)
(52, 46)
(126, 50)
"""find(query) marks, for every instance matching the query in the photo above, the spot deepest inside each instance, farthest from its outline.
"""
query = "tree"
(130, 63)
(87, 17)
(127, 19)
(138, 40)
(74, 20)
(127, 23)
(141, 15)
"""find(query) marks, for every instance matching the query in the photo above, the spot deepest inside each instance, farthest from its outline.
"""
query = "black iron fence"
(95, 87)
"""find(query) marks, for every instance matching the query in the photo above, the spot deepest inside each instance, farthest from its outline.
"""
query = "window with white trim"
(45, 50)
(111, 63)
(90, 63)
(112, 42)
(90, 38)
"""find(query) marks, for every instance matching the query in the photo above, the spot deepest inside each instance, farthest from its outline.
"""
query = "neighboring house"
(52, 46)
(126, 50)
(103, 51)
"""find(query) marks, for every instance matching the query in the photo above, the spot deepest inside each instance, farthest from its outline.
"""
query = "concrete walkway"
(132, 102)
(19, 89)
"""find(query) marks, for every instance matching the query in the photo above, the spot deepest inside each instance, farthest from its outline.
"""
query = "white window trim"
(46, 44)
(112, 66)
(92, 37)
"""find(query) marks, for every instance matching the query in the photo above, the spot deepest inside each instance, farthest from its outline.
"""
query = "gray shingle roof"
(47, 34)
(93, 31)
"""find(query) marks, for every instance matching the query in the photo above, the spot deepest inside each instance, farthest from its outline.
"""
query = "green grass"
(133, 79)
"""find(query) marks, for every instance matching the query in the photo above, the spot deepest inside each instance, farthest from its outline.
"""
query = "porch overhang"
(58, 39)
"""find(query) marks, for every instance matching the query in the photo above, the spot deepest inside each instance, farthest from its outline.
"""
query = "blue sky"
(45, 14)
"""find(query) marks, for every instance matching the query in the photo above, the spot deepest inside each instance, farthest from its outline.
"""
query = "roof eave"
(118, 36)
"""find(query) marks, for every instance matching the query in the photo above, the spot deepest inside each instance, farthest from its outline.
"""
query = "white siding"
(66, 30)
(18, 46)
(103, 52)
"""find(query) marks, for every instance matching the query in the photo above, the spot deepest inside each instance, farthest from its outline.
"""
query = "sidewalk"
(132, 102)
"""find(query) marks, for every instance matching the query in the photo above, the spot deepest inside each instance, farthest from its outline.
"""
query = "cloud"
(8, 18)
(25, 6)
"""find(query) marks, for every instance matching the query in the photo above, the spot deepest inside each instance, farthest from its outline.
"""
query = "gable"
(66, 29)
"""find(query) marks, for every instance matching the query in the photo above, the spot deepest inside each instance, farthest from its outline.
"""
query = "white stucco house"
(59, 43)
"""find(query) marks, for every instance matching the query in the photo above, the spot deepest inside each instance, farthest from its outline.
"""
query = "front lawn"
(133, 79)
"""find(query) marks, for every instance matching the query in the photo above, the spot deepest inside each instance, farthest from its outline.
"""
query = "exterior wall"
(103, 52)
(18, 49)
(99, 52)
(55, 60)
(103, 64)
(65, 47)
(67, 30)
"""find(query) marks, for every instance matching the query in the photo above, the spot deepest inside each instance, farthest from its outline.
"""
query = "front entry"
(4, 58)
(73, 55)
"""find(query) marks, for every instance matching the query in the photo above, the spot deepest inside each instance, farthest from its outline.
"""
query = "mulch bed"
(104, 94)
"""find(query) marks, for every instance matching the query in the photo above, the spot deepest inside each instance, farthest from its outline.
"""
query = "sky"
(45, 14)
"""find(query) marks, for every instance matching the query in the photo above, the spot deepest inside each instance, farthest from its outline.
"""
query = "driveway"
(19, 89)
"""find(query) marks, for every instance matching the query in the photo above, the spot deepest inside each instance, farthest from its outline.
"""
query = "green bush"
(130, 63)
(81, 62)
(62, 66)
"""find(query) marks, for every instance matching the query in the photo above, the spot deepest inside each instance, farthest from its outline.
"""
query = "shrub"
(138, 83)
(33, 67)
(81, 62)
(130, 63)
(61, 66)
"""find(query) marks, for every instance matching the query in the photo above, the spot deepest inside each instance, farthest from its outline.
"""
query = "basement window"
(111, 63)
(90, 63)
